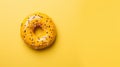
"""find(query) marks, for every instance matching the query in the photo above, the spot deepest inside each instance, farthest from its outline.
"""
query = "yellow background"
(88, 33)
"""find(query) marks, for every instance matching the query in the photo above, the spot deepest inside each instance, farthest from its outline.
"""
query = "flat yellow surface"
(88, 33)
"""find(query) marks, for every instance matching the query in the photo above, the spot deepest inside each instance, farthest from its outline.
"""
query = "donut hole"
(38, 31)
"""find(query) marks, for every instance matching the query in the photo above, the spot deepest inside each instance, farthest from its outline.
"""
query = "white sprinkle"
(32, 17)
(42, 39)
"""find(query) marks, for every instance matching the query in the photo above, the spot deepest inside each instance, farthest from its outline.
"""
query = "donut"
(47, 35)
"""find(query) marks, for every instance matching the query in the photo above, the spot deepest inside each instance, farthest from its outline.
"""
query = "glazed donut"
(45, 23)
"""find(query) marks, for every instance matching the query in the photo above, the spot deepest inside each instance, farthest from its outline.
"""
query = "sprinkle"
(24, 36)
(33, 17)
(36, 20)
(24, 31)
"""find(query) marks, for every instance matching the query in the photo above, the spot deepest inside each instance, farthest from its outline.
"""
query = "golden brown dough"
(28, 26)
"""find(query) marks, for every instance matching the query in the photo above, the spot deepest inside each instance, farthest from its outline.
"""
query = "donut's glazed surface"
(48, 34)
